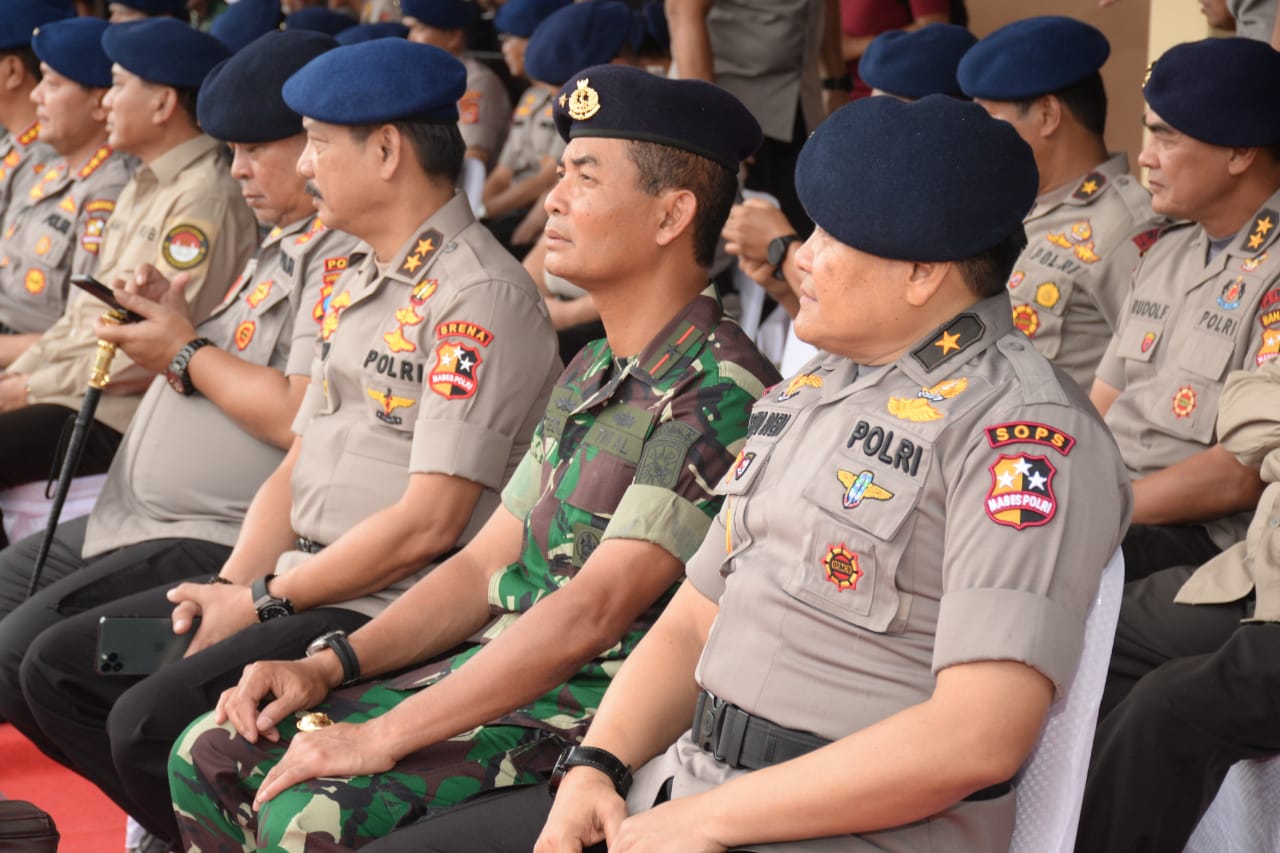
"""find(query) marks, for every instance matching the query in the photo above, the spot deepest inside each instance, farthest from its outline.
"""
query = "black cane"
(98, 379)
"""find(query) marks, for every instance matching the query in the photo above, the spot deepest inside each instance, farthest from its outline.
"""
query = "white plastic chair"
(1242, 818)
(1051, 783)
(26, 509)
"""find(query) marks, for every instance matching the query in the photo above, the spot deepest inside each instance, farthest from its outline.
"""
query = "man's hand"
(13, 391)
(586, 811)
(294, 684)
(752, 225)
(343, 749)
(676, 826)
(153, 342)
(223, 609)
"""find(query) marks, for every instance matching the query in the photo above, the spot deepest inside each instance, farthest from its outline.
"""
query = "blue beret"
(441, 14)
(918, 63)
(164, 51)
(575, 37)
(1211, 90)
(623, 102)
(240, 100)
(73, 48)
(18, 18)
(379, 81)
(655, 23)
(367, 32)
(245, 21)
(176, 8)
(319, 19)
(1032, 57)
(521, 17)
(930, 180)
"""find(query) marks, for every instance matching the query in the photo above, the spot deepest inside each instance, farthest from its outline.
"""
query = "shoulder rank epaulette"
(1259, 232)
(425, 247)
(99, 157)
(1090, 186)
(956, 337)
(30, 135)
(1146, 239)
(684, 338)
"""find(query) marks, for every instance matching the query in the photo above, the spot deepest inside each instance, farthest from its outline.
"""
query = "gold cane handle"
(101, 373)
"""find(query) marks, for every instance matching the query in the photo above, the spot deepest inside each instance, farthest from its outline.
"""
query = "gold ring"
(314, 722)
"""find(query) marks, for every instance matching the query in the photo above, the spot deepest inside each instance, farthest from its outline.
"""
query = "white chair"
(1051, 783)
(26, 509)
(1242, 818)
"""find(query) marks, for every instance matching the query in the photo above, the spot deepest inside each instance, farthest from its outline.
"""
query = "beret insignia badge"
(584, 102)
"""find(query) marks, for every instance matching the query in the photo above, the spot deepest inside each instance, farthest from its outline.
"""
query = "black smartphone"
(138, 645)
(93, 287)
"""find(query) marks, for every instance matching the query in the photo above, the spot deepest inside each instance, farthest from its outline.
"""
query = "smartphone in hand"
(93, 287)
(138, 645)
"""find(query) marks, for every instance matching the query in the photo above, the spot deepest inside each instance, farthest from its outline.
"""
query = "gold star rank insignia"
(425, 247)
(1255, 241)
(1264, 225)
(948, 342)
(412, 262)
(1090, 187)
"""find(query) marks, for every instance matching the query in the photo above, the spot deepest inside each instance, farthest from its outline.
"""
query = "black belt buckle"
(719, 728)
(309, 546)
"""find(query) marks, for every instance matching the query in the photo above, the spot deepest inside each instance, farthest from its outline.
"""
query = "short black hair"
(987, 273)
(1085, 99)
(28, 58)
(662, 167)
(437, 145)
(187, 102)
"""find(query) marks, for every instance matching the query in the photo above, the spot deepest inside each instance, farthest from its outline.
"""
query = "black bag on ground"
(26, 829)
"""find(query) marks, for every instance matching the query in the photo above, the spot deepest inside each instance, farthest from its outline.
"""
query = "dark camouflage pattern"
(660, 429)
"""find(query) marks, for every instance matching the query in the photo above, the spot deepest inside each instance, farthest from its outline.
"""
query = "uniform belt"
(741, 739)
(311, 547)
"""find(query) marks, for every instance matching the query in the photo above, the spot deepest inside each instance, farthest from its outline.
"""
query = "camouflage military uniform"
(623, 452)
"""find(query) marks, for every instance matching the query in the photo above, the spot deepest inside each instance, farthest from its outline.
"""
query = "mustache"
(310, 189)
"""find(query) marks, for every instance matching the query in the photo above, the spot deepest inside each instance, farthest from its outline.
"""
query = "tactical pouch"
(26, 829)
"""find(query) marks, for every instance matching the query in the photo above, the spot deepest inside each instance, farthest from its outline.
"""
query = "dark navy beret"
(624, 102)
(73, 48)
(655, 23)
(368, 32)
(1209, 90)
(917, 63)
(936, 179)
(521, 17)
(241, 101)
(319, 19)
(441, 14)
(164, 51)
(18, 18)
(245, 21)
(577, 36)
(1032, 57)
(379, 81)
(176, 8)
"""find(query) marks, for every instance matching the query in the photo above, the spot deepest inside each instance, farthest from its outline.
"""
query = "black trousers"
(1150, 548)
(117, 731)
(70, 585)
(505, 820)
(1191, 691)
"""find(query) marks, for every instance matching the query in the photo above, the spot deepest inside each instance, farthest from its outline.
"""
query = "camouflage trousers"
(213, 774)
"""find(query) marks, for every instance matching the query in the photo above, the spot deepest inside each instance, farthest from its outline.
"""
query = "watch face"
(273, 610)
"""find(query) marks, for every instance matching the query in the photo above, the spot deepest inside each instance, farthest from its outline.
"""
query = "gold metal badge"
(1147, 79)
(314, 722)
(584, 102)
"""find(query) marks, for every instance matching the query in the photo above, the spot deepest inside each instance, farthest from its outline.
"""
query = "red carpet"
(88, 821)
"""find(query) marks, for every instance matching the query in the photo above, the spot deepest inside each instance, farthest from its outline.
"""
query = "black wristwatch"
(178, 373)
(842, 84)
(341, 646)
(268, 606)
(777, 252)
(588, 756)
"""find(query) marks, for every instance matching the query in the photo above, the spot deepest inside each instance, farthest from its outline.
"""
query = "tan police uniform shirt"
(1249, 427)
(766, 53)
(884, 523)
(441, 363)
(484, 111)
(182, 213)
(1187, 323)
(1072, 281)
(186, 469)
(23, 158)
(53, 232)
(533, 138)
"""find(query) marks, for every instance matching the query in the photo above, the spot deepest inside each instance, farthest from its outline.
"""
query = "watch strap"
(337, 642)
(179, 372)
(600, 759)
(268, 606)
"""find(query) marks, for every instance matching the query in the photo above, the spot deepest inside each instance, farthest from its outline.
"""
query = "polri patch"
(1026, 320)
(1021, 492)
(1029, 432)
(1184, 401)
(840, 565)
(454, 375)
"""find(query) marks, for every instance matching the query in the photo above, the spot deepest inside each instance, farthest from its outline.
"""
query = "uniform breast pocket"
(1138, 340)
(1040, 317)
(1205, 355)
(607, 458)
(856, 536)
(392, 402)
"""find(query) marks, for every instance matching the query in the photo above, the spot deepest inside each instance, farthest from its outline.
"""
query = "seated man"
(1091, 221)
(432, 367)
(557, 588)
(54, 230)
(896, 586)
(1205, 301)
